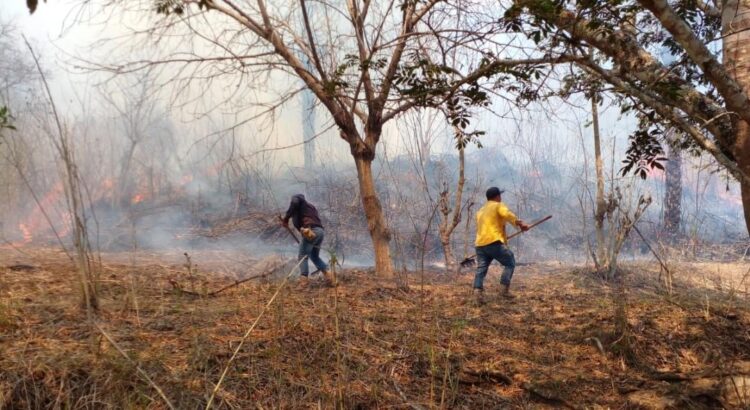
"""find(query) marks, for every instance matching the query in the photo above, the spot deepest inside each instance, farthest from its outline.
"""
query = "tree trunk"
(379, 232)
(450, 260)
(742, 149)
(599, 213)
(452, 217)
(122, 188)
(673, 195)
(735, 28)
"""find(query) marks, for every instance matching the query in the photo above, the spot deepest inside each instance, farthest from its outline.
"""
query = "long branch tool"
(288, 229)
(472, 259)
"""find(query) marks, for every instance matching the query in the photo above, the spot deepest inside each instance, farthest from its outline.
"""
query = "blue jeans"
(312, 251)
(498, 252)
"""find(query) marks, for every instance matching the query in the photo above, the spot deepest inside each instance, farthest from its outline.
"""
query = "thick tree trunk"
(735, 22)
(379, 232)
(673, 194)
(742, 149)
(599, 213)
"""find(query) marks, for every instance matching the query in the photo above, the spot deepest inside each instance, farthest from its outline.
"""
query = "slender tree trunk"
(673, 194)
(735, 27)
(123, 179)
(379, 232)
(452, 217)
(600, 211)
(450, 259)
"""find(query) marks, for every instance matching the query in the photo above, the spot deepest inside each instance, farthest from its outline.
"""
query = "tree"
(139, 114)
(61, 140)
(366, 64)
(673, 194)
(687, 88)
(600, 211)
(451, 213)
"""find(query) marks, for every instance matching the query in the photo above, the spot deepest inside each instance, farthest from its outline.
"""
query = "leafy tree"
(677, 64)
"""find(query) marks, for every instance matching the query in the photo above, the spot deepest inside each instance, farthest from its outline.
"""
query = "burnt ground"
(368, 343)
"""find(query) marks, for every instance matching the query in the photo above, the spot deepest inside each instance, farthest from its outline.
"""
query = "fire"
(137, 198)
(27, 236)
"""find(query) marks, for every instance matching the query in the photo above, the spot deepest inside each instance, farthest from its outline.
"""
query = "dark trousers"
(494, 251)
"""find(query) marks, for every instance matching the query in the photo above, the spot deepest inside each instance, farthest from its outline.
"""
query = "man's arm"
(293, 206)
(511, 218)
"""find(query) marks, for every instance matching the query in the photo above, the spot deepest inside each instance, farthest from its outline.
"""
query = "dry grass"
(365, 344)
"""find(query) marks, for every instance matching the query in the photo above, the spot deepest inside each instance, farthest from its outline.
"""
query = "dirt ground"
(368, 343)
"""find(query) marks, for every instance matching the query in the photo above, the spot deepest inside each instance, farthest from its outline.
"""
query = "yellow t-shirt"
(491, 220)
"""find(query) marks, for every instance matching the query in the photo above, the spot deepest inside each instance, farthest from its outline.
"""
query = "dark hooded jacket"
(302, 213)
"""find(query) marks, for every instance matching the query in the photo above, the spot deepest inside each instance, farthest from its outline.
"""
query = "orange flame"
(27, 236)
(137, 198)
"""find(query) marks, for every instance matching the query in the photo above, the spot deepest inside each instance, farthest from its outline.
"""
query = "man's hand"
(522, 226)
(284, 222)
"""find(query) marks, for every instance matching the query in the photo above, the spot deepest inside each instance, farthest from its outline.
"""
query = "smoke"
(155, 182)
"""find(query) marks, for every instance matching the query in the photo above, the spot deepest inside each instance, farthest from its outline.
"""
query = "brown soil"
(367, 343)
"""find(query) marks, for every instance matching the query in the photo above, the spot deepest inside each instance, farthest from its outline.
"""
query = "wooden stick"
(238, 282)
(470, 260)
(288, 229)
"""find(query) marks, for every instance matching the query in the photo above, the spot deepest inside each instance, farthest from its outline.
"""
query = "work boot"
(506, 292)
(478, 296)
(330, 278)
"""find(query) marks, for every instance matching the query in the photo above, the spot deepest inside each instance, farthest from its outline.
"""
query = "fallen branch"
(176, 286)
(137, 367)
(479, 376)
(597, 343)
(547, 396)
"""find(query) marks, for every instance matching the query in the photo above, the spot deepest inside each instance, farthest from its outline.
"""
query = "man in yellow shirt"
(491, 241)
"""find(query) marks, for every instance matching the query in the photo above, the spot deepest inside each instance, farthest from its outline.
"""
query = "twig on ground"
(178, 288)
(546, 395)
(598, 344)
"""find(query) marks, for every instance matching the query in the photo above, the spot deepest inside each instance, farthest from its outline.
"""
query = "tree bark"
(601, 206)
(735, 23)
(452, 217)
(376, 224)
(673, 194)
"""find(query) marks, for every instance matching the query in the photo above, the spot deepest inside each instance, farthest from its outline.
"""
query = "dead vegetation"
(365, 345)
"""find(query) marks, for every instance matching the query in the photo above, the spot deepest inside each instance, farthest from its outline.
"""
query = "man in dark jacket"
(305, 218)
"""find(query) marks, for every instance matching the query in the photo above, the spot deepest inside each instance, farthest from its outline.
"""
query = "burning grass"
(365, 344)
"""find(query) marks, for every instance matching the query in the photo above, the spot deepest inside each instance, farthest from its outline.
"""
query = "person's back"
(302, 213)
(491, 220)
